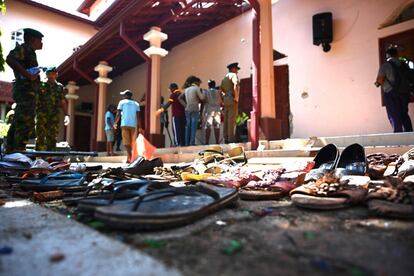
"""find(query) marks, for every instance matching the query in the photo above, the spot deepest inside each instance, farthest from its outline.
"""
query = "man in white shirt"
(129, 109)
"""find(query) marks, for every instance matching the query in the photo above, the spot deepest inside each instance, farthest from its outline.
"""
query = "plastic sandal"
(167, 208)
(64, 180)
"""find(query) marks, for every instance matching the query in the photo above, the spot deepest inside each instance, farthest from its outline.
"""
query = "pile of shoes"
(146, 195)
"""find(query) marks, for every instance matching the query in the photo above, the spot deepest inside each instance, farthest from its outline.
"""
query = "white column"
(71, 97)
(155, 52)
(102, 68)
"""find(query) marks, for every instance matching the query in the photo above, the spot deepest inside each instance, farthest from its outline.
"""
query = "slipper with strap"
(166, 208)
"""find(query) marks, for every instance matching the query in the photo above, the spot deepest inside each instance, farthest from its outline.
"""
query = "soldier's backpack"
(404, 77)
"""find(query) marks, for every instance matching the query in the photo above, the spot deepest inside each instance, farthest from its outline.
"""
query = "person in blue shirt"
(109, 129)
(129, 109)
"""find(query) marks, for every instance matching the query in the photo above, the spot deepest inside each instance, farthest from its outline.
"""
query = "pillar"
(155, 37)
(2, 111)
(270, 127)
(102, 68)
(71, 96)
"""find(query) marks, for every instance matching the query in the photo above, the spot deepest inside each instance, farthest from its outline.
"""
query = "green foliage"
(3, 129)
(3, 6)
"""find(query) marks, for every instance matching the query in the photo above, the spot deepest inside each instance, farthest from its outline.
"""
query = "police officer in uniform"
(25, 87)
(230, 87)
(48, 101)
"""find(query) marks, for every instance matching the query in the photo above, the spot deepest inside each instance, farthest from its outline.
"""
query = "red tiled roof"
(6, 92)
(179, 20)
(85, 7)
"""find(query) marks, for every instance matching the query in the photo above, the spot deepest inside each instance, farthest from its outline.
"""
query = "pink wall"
(61, 34)
(342, 98)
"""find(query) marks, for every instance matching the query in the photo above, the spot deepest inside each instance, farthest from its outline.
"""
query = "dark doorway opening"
(405, 42)
(82, 133)
(282, 105)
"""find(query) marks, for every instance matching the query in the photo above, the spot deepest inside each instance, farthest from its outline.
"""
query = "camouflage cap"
(33, 33)
(51, 69)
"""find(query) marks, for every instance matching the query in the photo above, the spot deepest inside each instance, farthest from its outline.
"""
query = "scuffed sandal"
(124, 191)
(235, 156)
(275, 184)
(211, 154)
(378, 164)
(166, 208)
(328, 193)
(395, 199)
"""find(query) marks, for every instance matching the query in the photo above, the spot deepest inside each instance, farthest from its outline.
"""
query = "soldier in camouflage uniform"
(48, 101)
(25, 87)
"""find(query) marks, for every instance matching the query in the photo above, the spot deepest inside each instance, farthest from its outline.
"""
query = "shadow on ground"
(275, 238)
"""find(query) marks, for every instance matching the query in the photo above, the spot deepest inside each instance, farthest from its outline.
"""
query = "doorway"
(282, 105)
(82, 137)
(405, 42)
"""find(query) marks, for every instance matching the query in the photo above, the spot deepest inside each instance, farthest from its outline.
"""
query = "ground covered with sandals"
(343, 213)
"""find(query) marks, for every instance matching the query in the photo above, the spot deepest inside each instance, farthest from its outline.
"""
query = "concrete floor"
(272, 238)
(250, 238)
(43, 242)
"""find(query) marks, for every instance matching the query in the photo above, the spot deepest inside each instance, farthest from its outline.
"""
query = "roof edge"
(56, 11)
(85, 7)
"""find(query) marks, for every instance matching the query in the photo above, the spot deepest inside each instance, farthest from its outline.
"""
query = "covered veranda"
(139, 32)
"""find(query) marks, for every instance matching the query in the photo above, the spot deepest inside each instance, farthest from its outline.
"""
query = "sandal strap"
(62, 175)
(201, 152)
(168, 192)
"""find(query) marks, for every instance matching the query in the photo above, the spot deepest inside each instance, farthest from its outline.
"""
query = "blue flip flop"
(63, 180)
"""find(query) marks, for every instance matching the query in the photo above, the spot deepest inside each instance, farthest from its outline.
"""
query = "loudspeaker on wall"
(322, 30)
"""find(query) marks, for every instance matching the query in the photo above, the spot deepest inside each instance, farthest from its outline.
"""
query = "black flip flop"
(122, 192)
(167, 208)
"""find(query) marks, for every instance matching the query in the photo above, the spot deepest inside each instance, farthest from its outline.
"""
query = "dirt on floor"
(276, 238)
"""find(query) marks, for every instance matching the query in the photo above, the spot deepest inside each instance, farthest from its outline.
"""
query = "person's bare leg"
(217, 134)
(208, 131)
(109, 148)
(129, 153)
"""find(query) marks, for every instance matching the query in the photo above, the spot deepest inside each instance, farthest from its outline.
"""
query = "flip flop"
(64, 180)
(167, 208)
(122, 191)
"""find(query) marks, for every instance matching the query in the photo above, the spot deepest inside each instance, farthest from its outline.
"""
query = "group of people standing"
(37, 102)
(187, 105)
